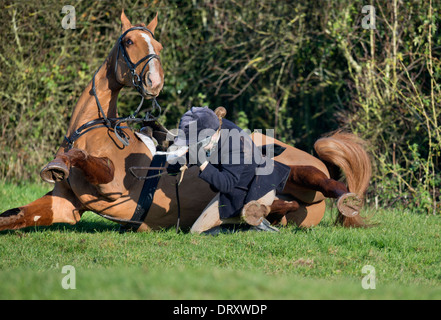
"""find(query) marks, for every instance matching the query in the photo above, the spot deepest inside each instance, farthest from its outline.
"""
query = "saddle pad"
(148, 142)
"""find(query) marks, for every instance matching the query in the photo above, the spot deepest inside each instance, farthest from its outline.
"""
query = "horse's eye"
(129, 42)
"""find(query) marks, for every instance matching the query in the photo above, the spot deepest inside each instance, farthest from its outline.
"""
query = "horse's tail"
(347, 152)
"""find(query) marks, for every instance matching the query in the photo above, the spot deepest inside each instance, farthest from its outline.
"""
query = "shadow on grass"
(91, 223)
(83, 226)
(100, 225)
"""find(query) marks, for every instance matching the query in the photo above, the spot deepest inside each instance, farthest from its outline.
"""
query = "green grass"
(324, 262)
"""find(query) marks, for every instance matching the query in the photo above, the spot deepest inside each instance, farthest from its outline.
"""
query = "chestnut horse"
(91, 169)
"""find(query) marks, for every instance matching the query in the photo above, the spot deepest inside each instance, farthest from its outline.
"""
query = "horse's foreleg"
(56, 170)
(58, 206)
(279, 208)
(97, 170)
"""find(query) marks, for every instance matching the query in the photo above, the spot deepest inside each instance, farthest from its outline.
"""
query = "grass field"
(325, 262)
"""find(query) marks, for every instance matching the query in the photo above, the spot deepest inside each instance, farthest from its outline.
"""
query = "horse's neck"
(107, 90)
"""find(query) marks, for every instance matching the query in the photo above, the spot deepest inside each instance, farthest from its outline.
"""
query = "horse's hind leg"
(58, 206)
(310, 177)
(97, 170)
(301, 214)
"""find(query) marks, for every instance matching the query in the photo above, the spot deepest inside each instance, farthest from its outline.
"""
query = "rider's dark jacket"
(239, 172)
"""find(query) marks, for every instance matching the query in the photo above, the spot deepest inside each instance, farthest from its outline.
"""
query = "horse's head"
(137, 61)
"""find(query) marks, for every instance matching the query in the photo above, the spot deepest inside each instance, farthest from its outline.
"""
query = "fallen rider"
(229, 161)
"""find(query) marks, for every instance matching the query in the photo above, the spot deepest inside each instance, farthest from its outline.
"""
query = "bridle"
(137, 80)
(138, 83)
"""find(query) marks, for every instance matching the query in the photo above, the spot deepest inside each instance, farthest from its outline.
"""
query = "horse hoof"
(254, 213)
(54, 171)
(349, 204)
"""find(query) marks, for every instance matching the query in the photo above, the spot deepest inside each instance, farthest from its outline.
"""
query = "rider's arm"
(224, 179)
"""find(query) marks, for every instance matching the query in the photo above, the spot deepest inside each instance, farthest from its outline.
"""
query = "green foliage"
(303, 68)
(396, 98)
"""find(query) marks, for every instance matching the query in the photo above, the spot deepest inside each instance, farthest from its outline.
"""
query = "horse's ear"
(125, 23)
(152, 25)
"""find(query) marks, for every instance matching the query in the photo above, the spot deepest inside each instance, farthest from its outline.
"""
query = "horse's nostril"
(153, 80)
(147, 79)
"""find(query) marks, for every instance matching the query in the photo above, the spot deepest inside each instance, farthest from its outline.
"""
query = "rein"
(114, 124)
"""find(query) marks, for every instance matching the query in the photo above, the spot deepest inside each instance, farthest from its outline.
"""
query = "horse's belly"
(194, 195)
(307, 215)
(295, 157)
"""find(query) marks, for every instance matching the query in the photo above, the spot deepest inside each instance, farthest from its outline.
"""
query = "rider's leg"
(210, 217)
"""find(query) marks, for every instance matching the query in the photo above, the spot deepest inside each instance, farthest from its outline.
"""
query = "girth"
(147, 193)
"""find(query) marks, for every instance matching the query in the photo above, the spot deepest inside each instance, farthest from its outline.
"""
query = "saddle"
(158, 133)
